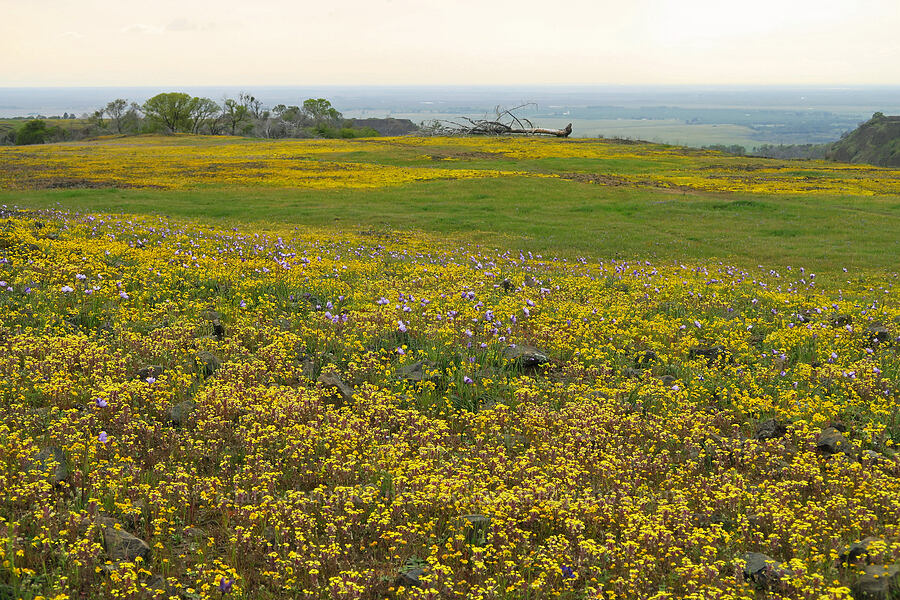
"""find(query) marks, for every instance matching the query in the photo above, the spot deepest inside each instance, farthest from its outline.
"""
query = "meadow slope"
(445, 368)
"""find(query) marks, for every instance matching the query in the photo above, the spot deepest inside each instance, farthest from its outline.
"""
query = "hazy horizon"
(413, 42)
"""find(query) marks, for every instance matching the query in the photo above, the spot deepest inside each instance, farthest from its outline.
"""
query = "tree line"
(177, 112)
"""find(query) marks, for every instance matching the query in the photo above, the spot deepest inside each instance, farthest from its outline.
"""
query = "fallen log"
(506, 122)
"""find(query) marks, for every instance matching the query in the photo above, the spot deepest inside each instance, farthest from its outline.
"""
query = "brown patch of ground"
(474, 155)
(598, 178)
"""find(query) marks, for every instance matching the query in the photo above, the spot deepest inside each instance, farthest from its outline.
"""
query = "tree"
(205, 112)
(319, 110)
(117, 110)
(235, 113)
(254, 106)
(172, 110)
(32, 132)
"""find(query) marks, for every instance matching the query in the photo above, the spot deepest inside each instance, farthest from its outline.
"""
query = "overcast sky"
(297, 42)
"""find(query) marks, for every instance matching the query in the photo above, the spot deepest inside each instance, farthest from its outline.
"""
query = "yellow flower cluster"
(189, 161)
(185, 161)
(271, 414)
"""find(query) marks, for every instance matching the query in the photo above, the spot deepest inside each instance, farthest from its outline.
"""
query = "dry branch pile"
(504, 122)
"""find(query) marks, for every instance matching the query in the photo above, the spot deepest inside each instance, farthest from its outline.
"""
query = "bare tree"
(117, 111)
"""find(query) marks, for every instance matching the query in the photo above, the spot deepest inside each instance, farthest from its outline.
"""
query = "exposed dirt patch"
(469, 156)
(735, 167)
(597, 178)
(66, 183)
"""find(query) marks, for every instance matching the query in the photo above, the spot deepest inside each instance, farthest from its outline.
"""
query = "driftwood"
(505, 122)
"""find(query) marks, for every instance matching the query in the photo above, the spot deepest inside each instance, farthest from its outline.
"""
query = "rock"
(879, 582)
(477, 529)
(761, 569)
(308, 367)
(315, 301)
(857, 552)
(507, 285)
(52, 462)
(270, 535)
(212, 315)
(668, 379)
(711, 354)
(646, 358)
(632, 373)
(181, 412)
(410, 578)
(158, 583)
(877, 334)
(218, 330)
(330, 380)
(207, 363)
(525, 357)
(832, 441)
(419, 371)
(840, 320)
(769, 429)
(121, 545)
(150, 371)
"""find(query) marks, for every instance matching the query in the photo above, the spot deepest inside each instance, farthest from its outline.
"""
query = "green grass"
(552, 216)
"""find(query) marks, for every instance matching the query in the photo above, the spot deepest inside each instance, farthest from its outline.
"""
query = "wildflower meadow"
(201, 409)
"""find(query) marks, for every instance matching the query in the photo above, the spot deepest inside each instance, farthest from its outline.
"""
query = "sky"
(449, 42)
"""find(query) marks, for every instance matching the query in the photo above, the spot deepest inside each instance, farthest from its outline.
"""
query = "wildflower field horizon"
(573, 198)
(500, 369)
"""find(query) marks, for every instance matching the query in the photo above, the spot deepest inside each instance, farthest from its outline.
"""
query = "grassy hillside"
(445, 368)
(575, 197)
(875, 142)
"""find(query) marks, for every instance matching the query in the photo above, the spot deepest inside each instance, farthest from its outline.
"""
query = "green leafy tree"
(172, 110)
(205, 115)
(235, 113)
(319, 111)
(32, 132)
(117, 111)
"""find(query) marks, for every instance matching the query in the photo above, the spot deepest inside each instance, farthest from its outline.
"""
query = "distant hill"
(387, 126)
(876, 142)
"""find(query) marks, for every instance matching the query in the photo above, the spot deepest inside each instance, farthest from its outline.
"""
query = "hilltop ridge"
(877, 142)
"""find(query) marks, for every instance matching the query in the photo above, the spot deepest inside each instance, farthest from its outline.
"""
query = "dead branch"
(504, 122)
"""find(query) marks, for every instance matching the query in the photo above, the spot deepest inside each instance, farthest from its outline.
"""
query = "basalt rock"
(477, 529)
(121, 545)
(770, 429)
(332, 382)
(52, 462)
(150, 371)
(181, 412)
(632, 373)
(761, 569)
(419, 371)
(218, 329)
(525, 357)
(711, 353)
(832, 441)
(879, 582)
(410, 578)
(877, 334)
(857, 552)
(207, 363)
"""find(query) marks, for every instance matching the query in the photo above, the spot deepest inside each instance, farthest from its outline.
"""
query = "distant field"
(596, 198)
(12, 124)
